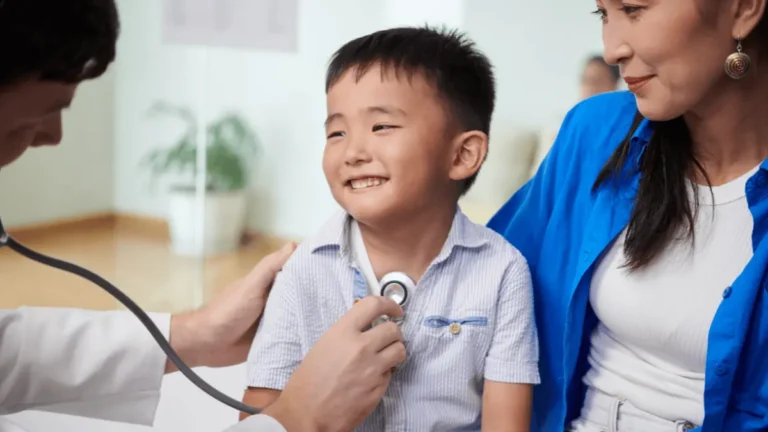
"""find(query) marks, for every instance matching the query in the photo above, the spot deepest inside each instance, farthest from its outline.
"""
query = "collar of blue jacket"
(563, 227)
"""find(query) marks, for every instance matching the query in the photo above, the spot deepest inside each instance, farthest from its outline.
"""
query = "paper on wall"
(270, 25)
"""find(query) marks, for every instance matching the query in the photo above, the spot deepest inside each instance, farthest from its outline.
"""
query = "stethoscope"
(394, 286)
(6, 240)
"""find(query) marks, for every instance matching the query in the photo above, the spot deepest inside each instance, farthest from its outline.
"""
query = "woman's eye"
(630, 10)
(627, 9)
(335, 134)
(600, 12)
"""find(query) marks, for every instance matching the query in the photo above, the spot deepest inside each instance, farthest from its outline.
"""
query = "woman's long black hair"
(662, 205)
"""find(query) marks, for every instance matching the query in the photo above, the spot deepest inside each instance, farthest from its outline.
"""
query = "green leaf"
(230, 145)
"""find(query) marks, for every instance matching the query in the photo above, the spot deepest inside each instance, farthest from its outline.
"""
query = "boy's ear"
(469, 150)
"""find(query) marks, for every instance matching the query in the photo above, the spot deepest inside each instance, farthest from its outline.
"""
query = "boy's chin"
(372, 214)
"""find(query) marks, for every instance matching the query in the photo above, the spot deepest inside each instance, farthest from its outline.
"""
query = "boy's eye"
(383, 127)
(335, 134)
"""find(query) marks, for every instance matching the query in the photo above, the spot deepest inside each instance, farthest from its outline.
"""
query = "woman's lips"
(636, 83)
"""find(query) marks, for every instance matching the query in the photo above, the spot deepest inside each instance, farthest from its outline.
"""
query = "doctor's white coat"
(103, 365)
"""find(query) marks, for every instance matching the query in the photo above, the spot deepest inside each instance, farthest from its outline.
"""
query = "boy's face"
(389, 149)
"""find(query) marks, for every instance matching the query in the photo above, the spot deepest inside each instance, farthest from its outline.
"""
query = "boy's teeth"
(367, 182)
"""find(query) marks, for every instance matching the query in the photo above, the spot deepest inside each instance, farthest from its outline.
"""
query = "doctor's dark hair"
(461, 74)
(662, 211)
(66, 41)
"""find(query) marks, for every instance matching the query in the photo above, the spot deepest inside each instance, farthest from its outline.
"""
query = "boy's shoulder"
(494, 245)
(323, 244)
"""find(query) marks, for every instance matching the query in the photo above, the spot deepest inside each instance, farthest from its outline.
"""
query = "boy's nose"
(357, 153)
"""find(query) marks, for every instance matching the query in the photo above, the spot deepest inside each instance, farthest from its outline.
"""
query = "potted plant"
(230, 146)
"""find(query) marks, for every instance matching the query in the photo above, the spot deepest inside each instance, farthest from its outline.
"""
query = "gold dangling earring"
(737, 64)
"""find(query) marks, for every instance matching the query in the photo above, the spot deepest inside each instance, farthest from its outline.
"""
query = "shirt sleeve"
(276, 349)
(102, 365)
(514, 353)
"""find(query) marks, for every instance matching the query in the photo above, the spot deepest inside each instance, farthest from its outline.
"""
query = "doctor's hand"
(221, 333)
(345, 375)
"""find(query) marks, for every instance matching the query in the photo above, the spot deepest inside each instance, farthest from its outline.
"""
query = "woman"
(644, 229)
(598, 77)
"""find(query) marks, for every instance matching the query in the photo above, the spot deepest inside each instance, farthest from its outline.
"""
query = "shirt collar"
(640, 138)
(334, 235)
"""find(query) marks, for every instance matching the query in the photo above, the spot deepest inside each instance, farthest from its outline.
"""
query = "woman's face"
(671, 52)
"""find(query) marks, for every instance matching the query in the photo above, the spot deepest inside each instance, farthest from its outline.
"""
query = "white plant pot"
(223, 225)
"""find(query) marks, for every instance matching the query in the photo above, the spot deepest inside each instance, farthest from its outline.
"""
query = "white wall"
(72, 179)
(281, 94)
(537, 47)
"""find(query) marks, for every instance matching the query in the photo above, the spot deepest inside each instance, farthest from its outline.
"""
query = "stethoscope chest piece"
(396, 286)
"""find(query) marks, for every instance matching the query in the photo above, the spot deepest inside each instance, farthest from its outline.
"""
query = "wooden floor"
(137, 262)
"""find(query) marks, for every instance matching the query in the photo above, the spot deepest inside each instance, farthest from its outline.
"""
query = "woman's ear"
(748, 14)
(469, 152)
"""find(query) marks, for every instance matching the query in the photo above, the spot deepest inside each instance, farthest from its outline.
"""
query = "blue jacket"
(563, 227)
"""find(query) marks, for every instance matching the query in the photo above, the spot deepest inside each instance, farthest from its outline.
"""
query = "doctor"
(105, 364)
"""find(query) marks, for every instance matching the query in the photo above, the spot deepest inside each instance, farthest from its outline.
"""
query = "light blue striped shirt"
(478, 281)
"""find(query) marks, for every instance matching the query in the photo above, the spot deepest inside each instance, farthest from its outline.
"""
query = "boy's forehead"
(379, 83)
(384, 73)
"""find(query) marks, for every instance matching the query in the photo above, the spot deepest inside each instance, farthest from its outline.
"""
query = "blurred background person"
(598, 77)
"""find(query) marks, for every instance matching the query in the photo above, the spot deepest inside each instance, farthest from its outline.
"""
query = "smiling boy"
(409, 112)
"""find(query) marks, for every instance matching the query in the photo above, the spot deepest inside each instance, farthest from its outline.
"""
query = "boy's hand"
(221, 333)
(345, 375)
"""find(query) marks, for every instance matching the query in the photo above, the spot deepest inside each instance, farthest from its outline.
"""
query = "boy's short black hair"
(462, 75)
(65, 41)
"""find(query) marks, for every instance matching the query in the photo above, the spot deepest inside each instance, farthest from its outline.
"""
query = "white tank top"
(650, 345)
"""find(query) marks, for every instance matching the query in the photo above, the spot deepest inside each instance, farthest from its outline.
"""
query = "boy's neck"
(410, 244)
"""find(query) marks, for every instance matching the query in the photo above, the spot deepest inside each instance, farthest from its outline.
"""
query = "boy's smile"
(366, 183)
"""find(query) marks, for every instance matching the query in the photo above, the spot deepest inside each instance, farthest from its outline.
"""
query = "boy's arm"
(259, 397)
(511, 367)
(507, 407)
(276, 349)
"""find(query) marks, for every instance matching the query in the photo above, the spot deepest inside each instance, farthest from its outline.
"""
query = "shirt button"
(721, 369)
(727, 292)
(455, 328)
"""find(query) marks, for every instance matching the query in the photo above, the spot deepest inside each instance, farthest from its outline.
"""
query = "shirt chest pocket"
(459, 337)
